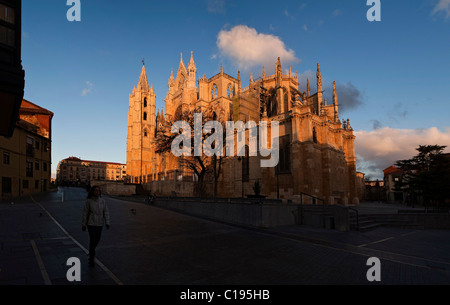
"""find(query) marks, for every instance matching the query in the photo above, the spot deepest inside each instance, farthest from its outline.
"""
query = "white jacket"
(95, 213)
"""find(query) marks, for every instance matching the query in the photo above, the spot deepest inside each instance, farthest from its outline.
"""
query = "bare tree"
(202, 164)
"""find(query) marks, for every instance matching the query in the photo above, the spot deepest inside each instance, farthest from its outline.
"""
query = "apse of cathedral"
(316, 147)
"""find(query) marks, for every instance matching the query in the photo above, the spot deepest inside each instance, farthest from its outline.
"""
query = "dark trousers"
(94, 238)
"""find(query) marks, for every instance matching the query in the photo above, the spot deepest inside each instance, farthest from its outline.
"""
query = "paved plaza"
(148, 245)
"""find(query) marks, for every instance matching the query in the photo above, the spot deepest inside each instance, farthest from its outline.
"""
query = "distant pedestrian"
(95, 215)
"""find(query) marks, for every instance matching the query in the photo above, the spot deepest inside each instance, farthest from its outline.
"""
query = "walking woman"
(95, 215)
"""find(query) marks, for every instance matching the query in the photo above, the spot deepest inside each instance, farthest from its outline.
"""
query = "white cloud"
(444, 6)
(88, 89)
(248, 48)
(305, 27)
(378, 149)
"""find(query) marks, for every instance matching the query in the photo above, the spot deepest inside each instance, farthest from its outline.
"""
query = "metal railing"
(314, 199)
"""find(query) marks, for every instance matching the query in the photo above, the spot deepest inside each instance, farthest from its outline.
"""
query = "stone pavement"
(154, 246)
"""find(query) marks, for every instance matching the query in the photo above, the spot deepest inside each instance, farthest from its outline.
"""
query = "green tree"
(426, 176)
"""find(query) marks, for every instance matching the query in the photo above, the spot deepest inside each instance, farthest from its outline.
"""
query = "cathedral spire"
(319, 87)
(251, 78)
(263, 73)
(308, 88)
(334, 93)
(239, 82)
(143, 82)
(192, 72)
(278, 71)
(335, 103)
(182, 67)
(192, 63)
(221, 69)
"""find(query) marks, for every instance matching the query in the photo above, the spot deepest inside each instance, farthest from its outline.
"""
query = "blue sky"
(393, 76)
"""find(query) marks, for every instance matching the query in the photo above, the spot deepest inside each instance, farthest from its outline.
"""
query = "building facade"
(12, 75)
(74, 171)
(393, 175)
(316, 148)
(25, 167)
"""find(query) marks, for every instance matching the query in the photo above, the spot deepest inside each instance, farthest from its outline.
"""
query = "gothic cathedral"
(316, 149)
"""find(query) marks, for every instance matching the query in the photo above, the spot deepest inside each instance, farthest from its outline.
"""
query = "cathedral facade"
(316, 148)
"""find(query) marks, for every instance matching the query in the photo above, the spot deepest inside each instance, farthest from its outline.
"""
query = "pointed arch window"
(214, 92)
(230, 91)
(145, 116)
(145, 102)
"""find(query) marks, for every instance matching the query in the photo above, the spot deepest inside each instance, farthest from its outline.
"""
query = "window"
(145, 116)
(6, 159)
(7, 36)
(37, 144)
(7, 32)
(6, 185)
(145, 133)
(214, 92)
(230, 92)
(44, 164)
(6, 14)
(29, 168)
(29, 146)
(145, 102)
(36, 184)
(25, 184)
(36, 165)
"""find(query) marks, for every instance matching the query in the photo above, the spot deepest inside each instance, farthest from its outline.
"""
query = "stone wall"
(264, 215)
(257, 215)
(115, 188)
(170, 188)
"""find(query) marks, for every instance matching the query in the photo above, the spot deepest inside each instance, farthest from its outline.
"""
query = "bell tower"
(141, 130)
